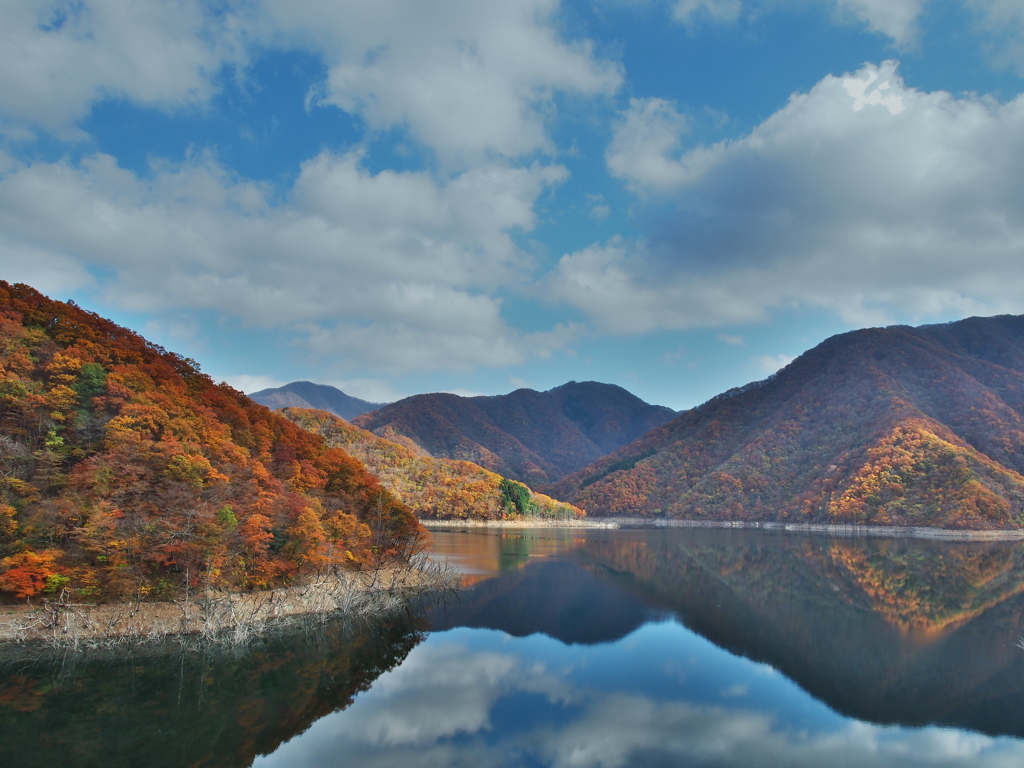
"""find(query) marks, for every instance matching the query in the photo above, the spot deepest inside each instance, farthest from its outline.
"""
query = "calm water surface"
(590, 648)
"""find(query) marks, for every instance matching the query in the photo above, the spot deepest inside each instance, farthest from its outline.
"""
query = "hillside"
(535, 437)
(125, 471)
(884, 426)
(433, 488)
(306, 394)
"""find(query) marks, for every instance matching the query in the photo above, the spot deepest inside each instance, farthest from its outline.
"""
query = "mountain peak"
(887, 426)
(323, 397)
(536, 437)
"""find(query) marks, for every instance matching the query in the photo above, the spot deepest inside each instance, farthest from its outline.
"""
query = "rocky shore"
(222, 617)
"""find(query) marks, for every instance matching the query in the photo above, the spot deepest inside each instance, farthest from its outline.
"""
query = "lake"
(580, 647)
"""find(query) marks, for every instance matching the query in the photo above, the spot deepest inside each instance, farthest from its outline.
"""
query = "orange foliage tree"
(125, 470)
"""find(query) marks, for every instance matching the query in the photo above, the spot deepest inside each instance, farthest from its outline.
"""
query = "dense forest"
(885, 426)
(434, 488)
(125, 471)
(534, 437)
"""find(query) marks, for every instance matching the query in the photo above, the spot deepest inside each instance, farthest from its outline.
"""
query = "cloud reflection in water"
(471, 697)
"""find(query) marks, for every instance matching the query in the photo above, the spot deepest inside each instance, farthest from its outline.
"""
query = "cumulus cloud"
(468, 78)
(394, 270)
(646, 137)
(896, 19)
(398, 271)
(863, 196)
(58, 57)
(1002, 23)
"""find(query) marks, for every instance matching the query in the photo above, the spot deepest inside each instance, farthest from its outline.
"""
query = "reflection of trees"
(893, 631)
(190, 709)
(914, 585)
(924, 591)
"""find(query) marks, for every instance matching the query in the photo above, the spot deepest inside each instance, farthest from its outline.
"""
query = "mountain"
(306, 394)
(125, 471)
(432, 488)
(535, 437)
(884, 426)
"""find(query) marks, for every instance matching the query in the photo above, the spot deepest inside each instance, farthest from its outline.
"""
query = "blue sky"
(396, 196)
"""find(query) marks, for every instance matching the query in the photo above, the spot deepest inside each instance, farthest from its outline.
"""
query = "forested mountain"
(535, 437)
(885, 426)
(433, 488)
(306, 394)
(126, 471)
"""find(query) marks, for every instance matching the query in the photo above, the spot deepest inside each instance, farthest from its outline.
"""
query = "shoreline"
(215, 618)
(838, 531)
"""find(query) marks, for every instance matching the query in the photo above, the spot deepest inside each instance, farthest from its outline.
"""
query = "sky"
(399, 196)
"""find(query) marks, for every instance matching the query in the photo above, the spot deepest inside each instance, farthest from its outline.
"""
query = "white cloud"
(58, 57)
(623, 290)
(597, 208)
(371, 390)
(896, 19)
(468, 78)
(393, 270)
(44, 269)
(731, 339)
(646, 136)
(864, 196)
(249, 383)
(716, 11)
(1002, 23)
(769, 364)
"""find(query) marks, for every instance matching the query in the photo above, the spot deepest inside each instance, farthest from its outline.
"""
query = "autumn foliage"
(533, 437)
(433, 488)
(886, 426)
(124, 470)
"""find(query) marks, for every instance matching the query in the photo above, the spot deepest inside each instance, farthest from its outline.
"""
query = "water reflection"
(164, 708)
(480, 554)
(591, 648)
(659, 697)
(893, 631)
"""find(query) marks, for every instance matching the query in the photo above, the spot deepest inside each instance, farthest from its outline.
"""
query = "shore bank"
(519, 522)
(845, 531)
(223, 617)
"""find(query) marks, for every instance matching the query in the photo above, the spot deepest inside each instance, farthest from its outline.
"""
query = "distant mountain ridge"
(535, 437)
(321, 397)
(887, 426)
(433, 488)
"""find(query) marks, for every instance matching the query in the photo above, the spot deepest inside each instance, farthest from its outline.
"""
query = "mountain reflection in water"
(890, 630)
(594, 648)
